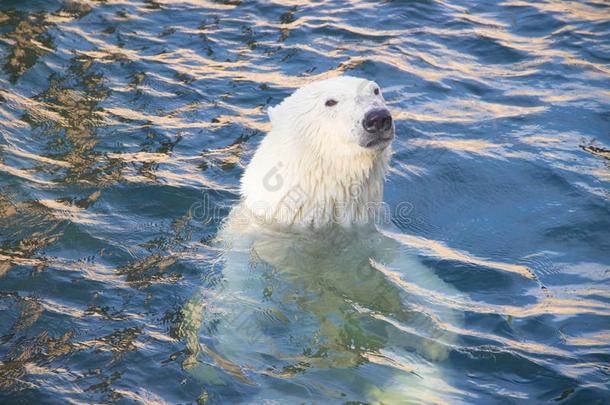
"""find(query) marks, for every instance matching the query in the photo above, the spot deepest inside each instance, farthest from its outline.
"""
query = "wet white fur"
(309, 170)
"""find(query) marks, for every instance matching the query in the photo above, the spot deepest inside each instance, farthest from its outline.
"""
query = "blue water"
(120, 119)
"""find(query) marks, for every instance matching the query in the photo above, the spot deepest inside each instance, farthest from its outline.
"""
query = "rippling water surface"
(119, 117)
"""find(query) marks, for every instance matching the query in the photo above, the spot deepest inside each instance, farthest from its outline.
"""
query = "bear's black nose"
(377, 120)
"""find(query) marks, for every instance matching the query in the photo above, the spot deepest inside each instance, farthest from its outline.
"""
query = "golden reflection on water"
(82, 131)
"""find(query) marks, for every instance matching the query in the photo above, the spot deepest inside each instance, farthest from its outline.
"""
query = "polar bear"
(312, 295)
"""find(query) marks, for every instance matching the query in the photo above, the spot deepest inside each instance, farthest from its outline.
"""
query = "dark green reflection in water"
(124, 128)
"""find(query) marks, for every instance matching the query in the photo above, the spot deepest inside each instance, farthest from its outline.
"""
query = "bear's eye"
(331, 102)
(376, 91)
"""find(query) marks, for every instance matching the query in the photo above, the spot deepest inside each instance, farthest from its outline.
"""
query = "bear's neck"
(314, 191)
(344, 190)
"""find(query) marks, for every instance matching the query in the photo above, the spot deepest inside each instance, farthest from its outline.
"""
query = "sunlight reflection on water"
(117, 117)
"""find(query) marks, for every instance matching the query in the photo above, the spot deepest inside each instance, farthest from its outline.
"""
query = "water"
(122, 123)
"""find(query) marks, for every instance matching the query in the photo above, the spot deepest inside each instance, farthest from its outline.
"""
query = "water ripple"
(125, 126)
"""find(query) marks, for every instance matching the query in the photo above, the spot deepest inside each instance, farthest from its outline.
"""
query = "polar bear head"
(324, 159)
(346, 115)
